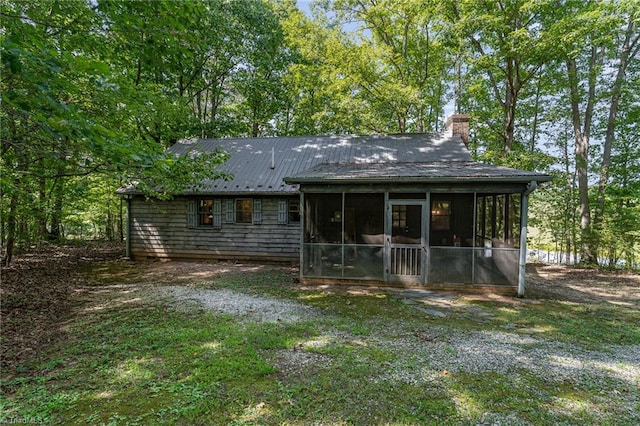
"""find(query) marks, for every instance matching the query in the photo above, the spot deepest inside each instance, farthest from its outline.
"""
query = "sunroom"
(453, 225)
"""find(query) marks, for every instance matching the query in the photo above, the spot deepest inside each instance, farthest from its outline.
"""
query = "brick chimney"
(458, 124)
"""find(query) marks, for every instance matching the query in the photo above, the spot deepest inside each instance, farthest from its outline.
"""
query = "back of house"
(409, 210)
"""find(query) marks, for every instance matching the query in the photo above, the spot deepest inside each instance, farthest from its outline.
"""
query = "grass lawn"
(131, 356)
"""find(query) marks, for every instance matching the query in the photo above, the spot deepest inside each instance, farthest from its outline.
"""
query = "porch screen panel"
(363, 236)
(228, 210)
(257, 211)
(514, 222)
(451, 265)
(497, 239)
(343, 240)
(498, 219)
(322, 247)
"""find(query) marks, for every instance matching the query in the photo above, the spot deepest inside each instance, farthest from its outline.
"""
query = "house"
(408, 209)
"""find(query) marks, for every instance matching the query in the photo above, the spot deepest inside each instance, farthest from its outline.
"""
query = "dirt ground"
(42, 290)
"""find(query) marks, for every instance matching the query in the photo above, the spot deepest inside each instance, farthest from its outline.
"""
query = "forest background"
(94, 91)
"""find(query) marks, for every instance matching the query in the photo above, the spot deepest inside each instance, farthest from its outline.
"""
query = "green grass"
(146, 364)
(589, 325)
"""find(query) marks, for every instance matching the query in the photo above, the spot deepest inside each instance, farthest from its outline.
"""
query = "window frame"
(247, 211)
(205, 213)
(204, 208)
(214, 212)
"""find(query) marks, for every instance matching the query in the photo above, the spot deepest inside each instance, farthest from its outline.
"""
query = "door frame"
(389, 245)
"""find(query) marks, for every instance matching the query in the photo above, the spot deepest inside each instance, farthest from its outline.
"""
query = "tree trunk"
(41, 213)
(569, 212)
(582, 157)
(55, 233)
(512, 92)
(121, 220)
(11, 229)
(255, 126)
(534, 126)
(629, 49)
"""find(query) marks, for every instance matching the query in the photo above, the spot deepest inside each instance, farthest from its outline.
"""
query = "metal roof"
(279, 164)
(444, 171)
(250, 159)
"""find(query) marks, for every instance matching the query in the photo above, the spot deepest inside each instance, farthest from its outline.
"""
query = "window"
(288, 211)
(215, 211)
(399, 216)
(441, 215)
(205, 212)
(244, 210)
(294, 211)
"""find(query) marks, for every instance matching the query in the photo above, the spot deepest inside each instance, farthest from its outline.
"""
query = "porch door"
(405, 249)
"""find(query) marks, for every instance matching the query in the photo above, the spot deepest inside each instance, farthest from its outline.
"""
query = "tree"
(507, 44)
(64, 115)
(396, 61)
(624, 52)
(592, 50)
(259, 80)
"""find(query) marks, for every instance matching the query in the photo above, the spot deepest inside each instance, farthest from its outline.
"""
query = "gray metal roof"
(443, 171)
(250, 158)
(337, 158)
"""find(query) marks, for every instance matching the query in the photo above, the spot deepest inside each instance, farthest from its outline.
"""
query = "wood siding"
(159, 230)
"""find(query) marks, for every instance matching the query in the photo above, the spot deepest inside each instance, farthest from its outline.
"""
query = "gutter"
(524, 215)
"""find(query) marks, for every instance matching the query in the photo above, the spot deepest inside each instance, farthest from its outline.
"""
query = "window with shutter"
(205, 212)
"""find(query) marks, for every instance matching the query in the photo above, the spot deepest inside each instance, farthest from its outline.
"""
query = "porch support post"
(473, 235)
(524, 212)
(342, 239)
(303, 223)
(386, 258)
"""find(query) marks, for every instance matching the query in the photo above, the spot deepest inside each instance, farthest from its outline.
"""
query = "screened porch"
(422, 238)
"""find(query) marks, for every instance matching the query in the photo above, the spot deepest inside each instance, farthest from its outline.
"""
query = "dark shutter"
(228, 212)
(257, 211)
(192, 213)
(283, 212)
(217, 213)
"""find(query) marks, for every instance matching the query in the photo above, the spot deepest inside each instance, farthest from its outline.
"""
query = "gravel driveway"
(422, 357)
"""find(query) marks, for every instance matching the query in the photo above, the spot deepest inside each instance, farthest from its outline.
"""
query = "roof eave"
(420, 179)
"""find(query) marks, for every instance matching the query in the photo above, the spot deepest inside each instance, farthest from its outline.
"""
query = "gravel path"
(508, 353)
(423, 357)
(244, 306)
(466, 351)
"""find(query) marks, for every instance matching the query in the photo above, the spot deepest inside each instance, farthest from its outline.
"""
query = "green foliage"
(93, 92)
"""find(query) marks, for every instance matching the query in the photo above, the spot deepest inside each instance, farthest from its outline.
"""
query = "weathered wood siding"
(159, 229)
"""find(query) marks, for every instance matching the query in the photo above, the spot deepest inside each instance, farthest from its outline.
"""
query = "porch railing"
(406, 260)
(445, 265)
